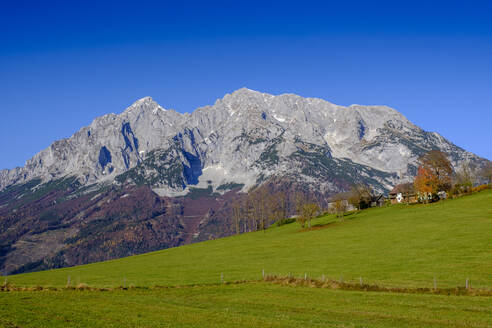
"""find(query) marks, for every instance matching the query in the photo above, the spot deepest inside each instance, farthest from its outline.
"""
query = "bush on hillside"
(285, 221)
(481, 188)
(461, 189)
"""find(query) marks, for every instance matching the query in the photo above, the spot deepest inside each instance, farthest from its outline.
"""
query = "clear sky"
(64, 63)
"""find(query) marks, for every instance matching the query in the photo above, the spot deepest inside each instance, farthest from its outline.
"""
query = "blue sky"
(64, 63)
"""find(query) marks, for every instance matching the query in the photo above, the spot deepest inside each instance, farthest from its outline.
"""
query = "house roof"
(403, 188)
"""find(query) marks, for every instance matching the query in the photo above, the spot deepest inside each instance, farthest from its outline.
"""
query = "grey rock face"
(245, 137)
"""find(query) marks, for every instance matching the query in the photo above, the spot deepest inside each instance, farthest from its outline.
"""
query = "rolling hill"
(406, 246)
(392, 246)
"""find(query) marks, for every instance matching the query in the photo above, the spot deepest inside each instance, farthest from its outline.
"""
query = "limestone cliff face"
(244, 138)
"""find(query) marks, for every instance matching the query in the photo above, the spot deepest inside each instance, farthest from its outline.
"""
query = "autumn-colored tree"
(426, 181)
(436, 165)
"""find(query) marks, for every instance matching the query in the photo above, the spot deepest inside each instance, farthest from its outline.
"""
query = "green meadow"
(404, 245)
(398, 246)
(244, 305)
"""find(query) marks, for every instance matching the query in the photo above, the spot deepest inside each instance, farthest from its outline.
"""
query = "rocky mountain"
(128, 182)
(244, 138)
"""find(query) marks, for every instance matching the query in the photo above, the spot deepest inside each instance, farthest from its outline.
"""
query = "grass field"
(403, 246)
(395, 246)
(245, 305)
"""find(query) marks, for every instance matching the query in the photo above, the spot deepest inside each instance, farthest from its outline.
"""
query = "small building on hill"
(377, 200)
(403, 193)
(348, 207)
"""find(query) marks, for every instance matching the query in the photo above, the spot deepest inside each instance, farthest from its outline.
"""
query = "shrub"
(480, 188)
(285, 221)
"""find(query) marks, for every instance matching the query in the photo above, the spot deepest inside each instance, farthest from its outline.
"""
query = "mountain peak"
(144, 100)
(144, 103)
(246, 93)
(245, 90)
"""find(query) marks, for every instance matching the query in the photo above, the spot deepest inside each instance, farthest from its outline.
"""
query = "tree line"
(260, 208)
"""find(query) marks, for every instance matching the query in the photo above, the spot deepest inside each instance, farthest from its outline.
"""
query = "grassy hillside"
(394, 246)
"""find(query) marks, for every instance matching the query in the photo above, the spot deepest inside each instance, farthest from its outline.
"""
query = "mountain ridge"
(150, 178)
(145, 126)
